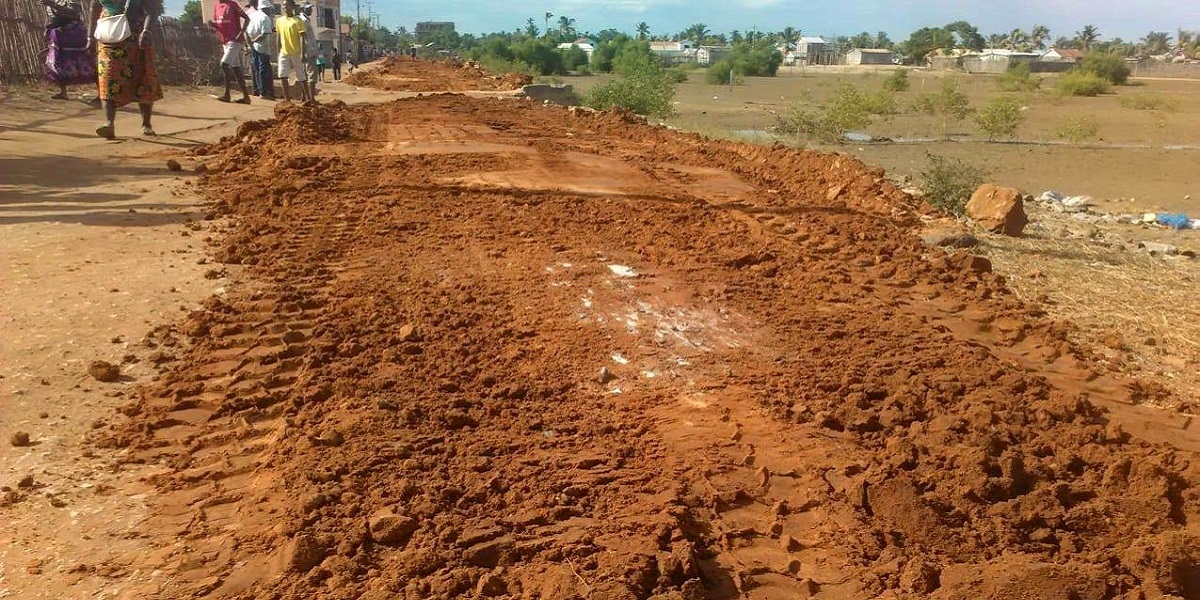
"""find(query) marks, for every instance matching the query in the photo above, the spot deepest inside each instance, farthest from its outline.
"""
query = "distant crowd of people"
(111, 47)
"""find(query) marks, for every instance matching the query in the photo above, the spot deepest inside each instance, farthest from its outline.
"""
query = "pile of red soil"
(404, 401)
(400, 74)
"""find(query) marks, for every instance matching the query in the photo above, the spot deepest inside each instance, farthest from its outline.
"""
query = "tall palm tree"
(997, 40)
(643, 30)
(566, 26)
(1038, 36)
(546, 22)
(1017, 40)
(696, 32)
(1157, 42)
(1088, 37)
(789, 35)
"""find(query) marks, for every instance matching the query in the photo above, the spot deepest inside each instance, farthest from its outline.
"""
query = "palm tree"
(1017, 40)
(697, 32)
(997, 40)
(735, 36)
(1157, 42)
(1089, 36)
(1038, 36)
(789, 35)
(566, 26)
(546, 22)
(643, 30)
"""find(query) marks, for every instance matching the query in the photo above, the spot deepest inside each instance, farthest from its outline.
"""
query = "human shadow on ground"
(88, 191)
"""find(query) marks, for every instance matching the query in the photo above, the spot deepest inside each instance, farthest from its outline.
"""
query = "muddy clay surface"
(402, 74)
(493, 349)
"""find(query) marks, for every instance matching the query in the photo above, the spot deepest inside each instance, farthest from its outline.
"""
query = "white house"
(869, 56)
(707, 55)
(1062, 55)
(588, 45)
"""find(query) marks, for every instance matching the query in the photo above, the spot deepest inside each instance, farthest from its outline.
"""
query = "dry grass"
(1142, 311)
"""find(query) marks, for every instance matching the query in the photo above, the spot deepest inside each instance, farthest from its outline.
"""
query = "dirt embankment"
(401, 74)
(496, 349)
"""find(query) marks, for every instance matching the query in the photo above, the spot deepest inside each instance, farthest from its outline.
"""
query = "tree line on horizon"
(961, 35)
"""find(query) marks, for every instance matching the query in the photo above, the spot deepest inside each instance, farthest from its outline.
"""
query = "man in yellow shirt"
(292, 47)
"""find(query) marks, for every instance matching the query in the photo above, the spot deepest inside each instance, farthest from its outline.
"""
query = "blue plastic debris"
(1174, 220)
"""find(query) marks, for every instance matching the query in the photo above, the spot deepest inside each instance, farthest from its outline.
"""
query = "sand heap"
(402, 74)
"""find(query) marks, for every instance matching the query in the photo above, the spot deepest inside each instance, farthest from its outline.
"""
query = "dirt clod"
(19, 439)
(104, 371)
(174, 166)
(391, 529)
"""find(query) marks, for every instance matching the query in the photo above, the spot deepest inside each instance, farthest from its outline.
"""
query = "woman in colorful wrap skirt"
(126, 69)
(68, 61)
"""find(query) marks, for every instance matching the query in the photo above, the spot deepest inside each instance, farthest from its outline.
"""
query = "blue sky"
(1125, 19)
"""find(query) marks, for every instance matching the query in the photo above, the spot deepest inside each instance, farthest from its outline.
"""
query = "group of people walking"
(122, 67)
(121, 64)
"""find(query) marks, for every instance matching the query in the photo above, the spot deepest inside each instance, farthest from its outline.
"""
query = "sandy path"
(98, 245)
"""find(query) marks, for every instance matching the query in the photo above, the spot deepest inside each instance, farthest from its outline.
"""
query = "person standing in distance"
(229, 20)
(310, 49)
(292, 46)
(259, 33)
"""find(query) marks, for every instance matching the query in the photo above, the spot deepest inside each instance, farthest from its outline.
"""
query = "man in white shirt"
(310, 57)
(259, 32)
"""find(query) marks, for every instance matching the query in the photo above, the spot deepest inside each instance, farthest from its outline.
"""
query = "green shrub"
(718, 72)
(845, 111)
(1019, 79)
(583, 70)
(500, 66)
(1111, 67)
(745, 61)
(1082, 83)
(678, 74)
(1078, 130)
(645, 90)
(1000, 117)
(949, 183)
(1150, 102)
(949, 102)
(881, 103)
(574, 58)
(897, 81)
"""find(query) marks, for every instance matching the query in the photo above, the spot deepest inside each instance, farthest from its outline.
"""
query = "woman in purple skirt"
(68, 61)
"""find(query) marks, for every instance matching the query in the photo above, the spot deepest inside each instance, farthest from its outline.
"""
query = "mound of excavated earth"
(492, 349)
(400, 74)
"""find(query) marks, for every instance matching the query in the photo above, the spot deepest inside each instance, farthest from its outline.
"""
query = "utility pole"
(354, 31)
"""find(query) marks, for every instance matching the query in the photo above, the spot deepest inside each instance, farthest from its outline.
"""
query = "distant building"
(707, 55)
(588, 45)
(869, 56)
(673, 53)
(1063, 55)
(998, 60)
(816, 51)
(426, 30)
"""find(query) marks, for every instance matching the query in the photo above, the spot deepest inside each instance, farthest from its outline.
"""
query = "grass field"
(1137, 159)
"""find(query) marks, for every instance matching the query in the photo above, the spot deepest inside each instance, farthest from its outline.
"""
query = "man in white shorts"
(229, 20)
(292, 46)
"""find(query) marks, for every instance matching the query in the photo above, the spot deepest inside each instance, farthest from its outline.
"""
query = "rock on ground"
(998, 209)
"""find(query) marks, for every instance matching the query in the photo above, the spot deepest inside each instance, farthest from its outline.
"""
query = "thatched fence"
(187, 54)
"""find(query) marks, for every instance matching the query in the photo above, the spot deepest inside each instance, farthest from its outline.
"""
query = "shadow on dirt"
(67, 189)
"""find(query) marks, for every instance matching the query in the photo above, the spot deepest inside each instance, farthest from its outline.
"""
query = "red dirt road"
(401, 74)
(491, 348)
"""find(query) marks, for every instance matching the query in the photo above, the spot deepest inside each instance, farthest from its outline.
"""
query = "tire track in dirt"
(407, 400)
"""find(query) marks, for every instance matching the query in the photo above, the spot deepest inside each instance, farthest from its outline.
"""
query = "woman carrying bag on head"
(125, 59)
(68, 61)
